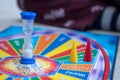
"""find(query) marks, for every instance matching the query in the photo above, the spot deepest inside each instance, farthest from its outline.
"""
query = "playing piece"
(88, 54)
(73, 53)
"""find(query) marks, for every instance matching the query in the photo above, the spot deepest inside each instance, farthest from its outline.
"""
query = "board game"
(29, 53)
(52, 50)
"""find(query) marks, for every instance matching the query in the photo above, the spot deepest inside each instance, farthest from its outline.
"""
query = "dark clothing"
(74, 14)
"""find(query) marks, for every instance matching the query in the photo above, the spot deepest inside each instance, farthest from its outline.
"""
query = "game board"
(54, 48)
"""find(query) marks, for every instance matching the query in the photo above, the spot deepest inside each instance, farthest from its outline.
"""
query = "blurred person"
(75, 14)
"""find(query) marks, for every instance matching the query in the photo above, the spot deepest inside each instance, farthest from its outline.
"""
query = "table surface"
(9, 15)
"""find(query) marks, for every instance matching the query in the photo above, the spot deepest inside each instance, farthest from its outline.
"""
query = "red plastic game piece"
(88, 55)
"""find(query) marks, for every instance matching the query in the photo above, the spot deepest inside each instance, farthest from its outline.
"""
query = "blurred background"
(9, 13)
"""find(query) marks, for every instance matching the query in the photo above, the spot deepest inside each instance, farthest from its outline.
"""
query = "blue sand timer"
(28, 22)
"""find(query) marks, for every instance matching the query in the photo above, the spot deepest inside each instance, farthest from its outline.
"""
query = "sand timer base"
(27, 60)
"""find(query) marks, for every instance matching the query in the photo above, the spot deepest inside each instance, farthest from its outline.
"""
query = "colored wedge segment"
(34, 41)
(5, 46)
(26, 78)
(43, 42)
(9, 78)
(17, 44)
(46, 78)
(35, 78)
(64, 47)
(3, 54)
(61, 39)
(59, 76)
(18, 79)
(3, 77)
